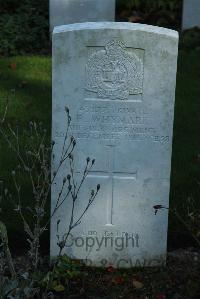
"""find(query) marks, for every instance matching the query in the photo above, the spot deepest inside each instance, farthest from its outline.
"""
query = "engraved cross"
(112, 176)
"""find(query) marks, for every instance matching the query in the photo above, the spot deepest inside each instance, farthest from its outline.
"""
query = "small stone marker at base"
(191, 14)
(63, 12)
(118, 80)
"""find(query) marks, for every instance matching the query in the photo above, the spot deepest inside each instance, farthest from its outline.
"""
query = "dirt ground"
(180, 279)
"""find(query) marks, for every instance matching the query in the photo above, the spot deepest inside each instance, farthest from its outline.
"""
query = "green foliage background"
(146, 5)
(166, 13)
(24, 26)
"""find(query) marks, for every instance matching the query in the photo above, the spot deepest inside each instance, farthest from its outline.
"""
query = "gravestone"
(118, 80)
(191, 14)
(64, 12)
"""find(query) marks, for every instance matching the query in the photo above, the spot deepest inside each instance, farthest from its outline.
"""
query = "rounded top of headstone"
(116, 25)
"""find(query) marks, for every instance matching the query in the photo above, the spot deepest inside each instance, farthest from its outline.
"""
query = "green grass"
(27, 82)
(31, 80)
(185, 175)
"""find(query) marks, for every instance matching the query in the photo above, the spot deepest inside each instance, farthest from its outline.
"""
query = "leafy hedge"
(166, 13)
(24, 26)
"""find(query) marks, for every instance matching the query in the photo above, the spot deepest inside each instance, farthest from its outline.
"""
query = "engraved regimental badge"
(114, 72)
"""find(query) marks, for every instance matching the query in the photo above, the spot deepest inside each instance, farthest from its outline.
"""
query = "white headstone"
(191, 14)
(63, 12)
(118, 80)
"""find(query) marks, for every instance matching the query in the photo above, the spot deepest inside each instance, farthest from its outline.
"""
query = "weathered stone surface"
(191, 14)
(118, 79)
(63, 12)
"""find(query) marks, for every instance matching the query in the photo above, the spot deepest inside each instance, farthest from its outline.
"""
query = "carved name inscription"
(114, 73)
(115, 121)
